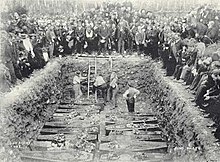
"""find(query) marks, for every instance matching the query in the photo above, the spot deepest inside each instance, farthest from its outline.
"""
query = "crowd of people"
(179, 42)
(186, 58)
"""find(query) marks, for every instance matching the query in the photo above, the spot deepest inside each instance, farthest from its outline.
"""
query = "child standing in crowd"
(130, 95)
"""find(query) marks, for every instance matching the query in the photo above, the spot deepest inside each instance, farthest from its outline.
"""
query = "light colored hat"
(216, 71)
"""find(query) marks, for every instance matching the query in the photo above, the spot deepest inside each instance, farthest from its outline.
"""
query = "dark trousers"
(103, 47)
(140, 49)
(171, 67)
(103, 89)
(90, 47)
(129, 45)
(130, 104)
(165, 59)
(195, 81)
(153, 50)
(190, 79)
(178, 71)
(199, 98)
(79, 47)
(121, 46)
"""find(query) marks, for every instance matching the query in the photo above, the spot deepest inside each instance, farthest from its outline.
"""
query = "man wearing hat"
(76, 85)
(100, 84)
(212, 33)
(130, 95)
(80, 36)
(210, 82)
(50, 37)
(89, 37)
(203, 67)
(104, 34)
(5, 78)
(140, 37)
(113, 89)
(212, 97)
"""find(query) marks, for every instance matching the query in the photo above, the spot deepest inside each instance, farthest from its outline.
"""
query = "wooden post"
(111, 66)
(88, 81)
(96, 98)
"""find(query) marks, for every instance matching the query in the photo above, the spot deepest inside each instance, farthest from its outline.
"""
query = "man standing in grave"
(130, 95)
(76, 86)
(101, 85)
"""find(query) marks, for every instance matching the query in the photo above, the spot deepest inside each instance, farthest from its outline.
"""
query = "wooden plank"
(79, 106)
(65, 119)
(67, 107)
(67, 130)
(79, 124)
(64, 102)
(26, 158)
(88, 103)
(57, 130)
(90, 137)
(133, 137)
(96, 97)
(40, 145)
(138, 146)
(88, 89)
(125, 128)
(133, 156)
(78, 110)
(149, 137)
(126, 114)
(137, 120)
(60, 155)
(140, 132)
(98, 57)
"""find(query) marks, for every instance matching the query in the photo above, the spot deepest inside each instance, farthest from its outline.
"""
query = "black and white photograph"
(109, 81)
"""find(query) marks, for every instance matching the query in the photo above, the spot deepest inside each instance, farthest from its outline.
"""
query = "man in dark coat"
(209, 83)
(200, 29)
(7, 55)
(212, 33)
(80, 37)
(104, 34)
(121, 37)
(89, 38)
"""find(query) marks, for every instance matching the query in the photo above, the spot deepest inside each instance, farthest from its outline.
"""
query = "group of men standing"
(108, 90)
(123, 30)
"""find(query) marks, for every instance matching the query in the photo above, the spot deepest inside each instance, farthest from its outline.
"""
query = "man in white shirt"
(100, 84)
(130, 96)
(113, 89)
(76, 85)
